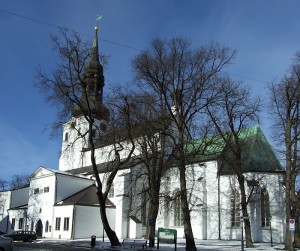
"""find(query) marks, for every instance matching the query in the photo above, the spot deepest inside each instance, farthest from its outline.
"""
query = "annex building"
(63, 203)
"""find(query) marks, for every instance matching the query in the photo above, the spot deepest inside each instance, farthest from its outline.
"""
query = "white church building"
(63, 203)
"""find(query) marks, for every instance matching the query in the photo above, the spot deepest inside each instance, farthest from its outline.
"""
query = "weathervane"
(98, 18)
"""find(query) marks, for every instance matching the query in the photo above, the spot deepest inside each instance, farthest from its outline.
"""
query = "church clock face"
(103, 126)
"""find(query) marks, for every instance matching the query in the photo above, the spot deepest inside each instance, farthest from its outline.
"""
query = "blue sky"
(266, 35)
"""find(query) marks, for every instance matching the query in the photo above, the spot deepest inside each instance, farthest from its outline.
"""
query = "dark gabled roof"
(85, 197)
(19, 207)
(204, 149)
(121, 134)
(257, 154)
(15, 189)
(105, 167)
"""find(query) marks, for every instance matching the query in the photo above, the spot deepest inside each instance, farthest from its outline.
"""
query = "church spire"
(94, 71)
(93, 81)
(95, 50)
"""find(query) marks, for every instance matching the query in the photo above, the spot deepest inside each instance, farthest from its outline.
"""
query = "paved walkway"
(203, 245)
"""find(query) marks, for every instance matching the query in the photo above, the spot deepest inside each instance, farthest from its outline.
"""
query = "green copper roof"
(257, 154)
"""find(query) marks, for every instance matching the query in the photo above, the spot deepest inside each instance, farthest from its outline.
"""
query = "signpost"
(292, 225)
(292, 229)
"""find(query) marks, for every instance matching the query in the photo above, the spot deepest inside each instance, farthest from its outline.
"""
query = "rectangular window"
(66, 224)
(21, 223)
(57, 223)
(36, 190)
(178, 215)
(46, 189)
(13, 223)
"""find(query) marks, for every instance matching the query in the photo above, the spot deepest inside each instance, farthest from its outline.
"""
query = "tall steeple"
(93, 82)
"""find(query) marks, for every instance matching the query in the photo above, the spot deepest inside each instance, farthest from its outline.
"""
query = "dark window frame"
(66, 223)
(178, 214)
(235, 214)
(13, 223)
(21, 223)
(57, 223)
(265, 208)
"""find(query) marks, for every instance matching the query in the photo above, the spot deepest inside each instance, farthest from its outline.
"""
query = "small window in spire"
(73, 124)
(66, 136)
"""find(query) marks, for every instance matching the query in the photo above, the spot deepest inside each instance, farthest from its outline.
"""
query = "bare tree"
(153, 129)
(76, 88)
(285, 105)
(184, 78)
(3, 185)
(233, 111)
(154, 133)
(19, 181)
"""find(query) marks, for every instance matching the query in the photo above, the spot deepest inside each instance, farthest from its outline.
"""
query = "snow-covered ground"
(203, 245)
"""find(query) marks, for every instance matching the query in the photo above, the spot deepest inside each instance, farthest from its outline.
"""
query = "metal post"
(271, 232)
(242, 234)
(102, 233)
(292, 240)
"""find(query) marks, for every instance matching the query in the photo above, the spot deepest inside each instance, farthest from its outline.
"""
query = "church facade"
(63, 203)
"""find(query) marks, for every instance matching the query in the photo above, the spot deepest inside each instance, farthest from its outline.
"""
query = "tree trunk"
(288, 184)
(247, 225)
(152, 216)
(188, 231)
(114, 241)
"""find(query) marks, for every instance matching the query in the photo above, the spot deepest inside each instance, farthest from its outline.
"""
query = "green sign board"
(166, 235)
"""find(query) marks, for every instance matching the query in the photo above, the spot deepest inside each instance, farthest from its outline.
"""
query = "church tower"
(76, 130)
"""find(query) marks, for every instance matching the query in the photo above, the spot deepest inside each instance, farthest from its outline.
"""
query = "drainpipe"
(55, 198)
(25, 221)
(55, 193)
(219, 208)
(7, 221)
(73, 223)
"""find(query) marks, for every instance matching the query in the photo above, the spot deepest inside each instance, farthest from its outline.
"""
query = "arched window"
(144, 210)
(235, 214)
(178, 215)
(265, 208)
